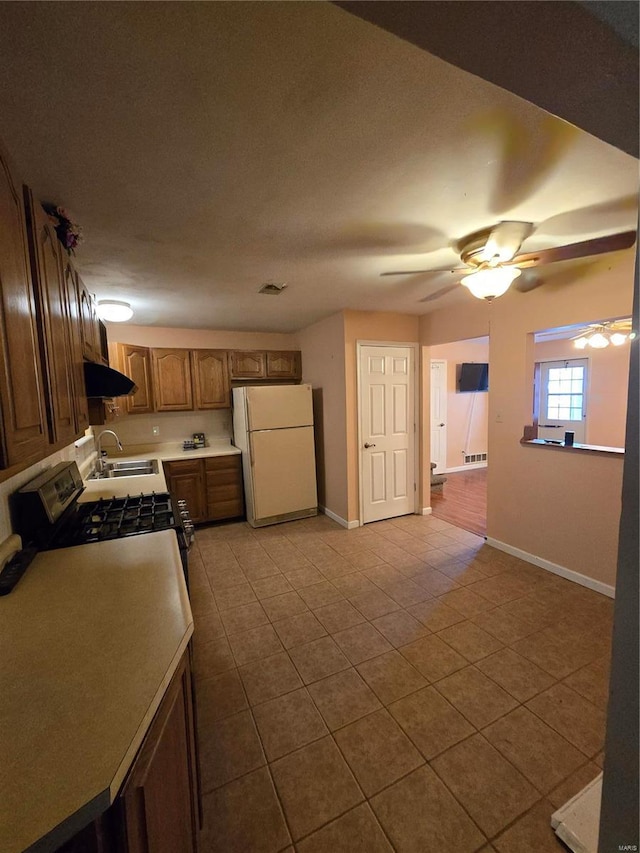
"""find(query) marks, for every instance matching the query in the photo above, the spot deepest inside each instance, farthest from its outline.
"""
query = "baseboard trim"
(426, 510)
(562, 571)
(342, 521)
(468, 467)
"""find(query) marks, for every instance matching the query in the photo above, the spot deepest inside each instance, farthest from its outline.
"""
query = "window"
(563, 397)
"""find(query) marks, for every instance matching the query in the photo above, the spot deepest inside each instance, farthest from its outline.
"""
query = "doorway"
(386, 403)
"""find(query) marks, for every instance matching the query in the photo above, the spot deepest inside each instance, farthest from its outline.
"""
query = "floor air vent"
(474, 458)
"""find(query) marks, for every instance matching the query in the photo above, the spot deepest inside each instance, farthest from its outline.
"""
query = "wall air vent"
(474, 458)
(272, 288)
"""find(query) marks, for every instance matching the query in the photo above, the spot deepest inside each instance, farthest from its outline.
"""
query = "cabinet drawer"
(225, 492)
(226, 509)
(224, 463)
(186, 466)
(223, 478)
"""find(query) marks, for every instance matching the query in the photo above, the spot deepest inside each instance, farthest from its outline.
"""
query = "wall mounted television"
(473, 376)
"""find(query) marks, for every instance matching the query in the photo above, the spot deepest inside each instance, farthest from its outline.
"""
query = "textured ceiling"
(209, 147)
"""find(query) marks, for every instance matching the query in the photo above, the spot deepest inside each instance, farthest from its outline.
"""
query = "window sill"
(577, 448)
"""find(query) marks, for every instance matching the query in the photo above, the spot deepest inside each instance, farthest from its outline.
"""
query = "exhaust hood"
(103, 381)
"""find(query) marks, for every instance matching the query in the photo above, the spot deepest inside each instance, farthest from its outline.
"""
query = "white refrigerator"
(273, 427)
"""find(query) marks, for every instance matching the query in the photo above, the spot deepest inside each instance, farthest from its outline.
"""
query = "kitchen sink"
(135, 468)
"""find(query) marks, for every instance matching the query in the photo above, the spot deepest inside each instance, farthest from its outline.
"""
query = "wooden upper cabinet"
(283, 365)
(53, 318)
(248, 365)
(89, 325)
(210, 379)
(24, 424)
(135, 362)
(172, 380)
(72, 298)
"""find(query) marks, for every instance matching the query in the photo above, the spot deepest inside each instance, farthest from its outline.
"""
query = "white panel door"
(387, 432)
(563, 399)
(439, 414)
(283, 468)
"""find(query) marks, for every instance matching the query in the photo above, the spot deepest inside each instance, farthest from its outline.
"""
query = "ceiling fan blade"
(438, 293)
(505, 240)
(597, 246)
(421, 272)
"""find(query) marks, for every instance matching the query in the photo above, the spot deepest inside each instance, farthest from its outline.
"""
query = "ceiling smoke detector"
(273, 288)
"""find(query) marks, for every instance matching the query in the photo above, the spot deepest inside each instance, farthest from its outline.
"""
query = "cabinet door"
(210, 379)
(53, 317)
(72, 295)
(24, 435)
(172, 380)
(248, 365)
(185, 481)
(159, 798)
(88, 325)
(283, 365)
(135, 362)
(223, 477)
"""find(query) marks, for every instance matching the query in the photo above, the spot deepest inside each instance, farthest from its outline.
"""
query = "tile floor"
(401, 686)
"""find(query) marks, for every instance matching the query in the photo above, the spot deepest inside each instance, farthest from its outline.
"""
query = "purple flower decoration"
(69, 232)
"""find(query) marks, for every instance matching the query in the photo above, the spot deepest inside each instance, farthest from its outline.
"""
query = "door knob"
(368, 445)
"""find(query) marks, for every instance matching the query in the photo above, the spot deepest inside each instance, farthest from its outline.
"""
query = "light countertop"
(90, 639)
(147, 483)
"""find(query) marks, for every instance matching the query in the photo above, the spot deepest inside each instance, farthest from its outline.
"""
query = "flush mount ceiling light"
(490, 282)
(598, 336)
(114, 311)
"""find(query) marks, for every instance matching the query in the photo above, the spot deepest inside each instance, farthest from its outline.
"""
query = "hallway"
(462, 500)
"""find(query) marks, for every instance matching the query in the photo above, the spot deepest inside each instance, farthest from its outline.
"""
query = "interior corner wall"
(323, 367)
(467, 414)
(379, 326)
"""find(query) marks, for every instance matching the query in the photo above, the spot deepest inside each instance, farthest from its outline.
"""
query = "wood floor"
(462, 500)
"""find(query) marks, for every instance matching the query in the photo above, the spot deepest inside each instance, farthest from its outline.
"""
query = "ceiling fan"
(600, 335)
(493, 260)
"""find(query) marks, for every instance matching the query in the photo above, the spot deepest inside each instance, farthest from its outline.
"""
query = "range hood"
(103, 381)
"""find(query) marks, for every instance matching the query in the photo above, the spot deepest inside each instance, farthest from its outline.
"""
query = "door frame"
(446, 363)
(414, 350)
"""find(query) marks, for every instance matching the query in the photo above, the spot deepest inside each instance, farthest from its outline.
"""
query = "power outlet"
(155, 430)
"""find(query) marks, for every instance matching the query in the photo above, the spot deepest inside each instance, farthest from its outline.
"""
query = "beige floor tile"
(301, 577)
(219, 697)
(539, 753)
(531, 611)
(592, 682)
(363, 559)
(212, 658)
(491, 790)
(354, 584)
(573, 784)
(229, 748)
(503, 588)
(296, 630)
(575, 718)
(320, 594)
(234, 596)
(315, 786)
(254, 644)
(361, 642)
(435, 582)
(357, 831)
(476, 696)
(384, 575)
(202, 601)
(338, 616)
(433, 657)
(407, 592)
(207, 628)
(336, 567)
(431, 722)
(287, 723)
(557, 652)
(420, 816)
(400, 627)
(225, 578)
(377, 751)
(281, 606)
(270, 677)
(270, 586)
(243, 618)
(470, 640)
(435, 614)
(258, 569)
(531, 832)
(505, 626)
(466, 602)
(373, 603)
(519, 676)
(463, 573)
(343, 698)
(318, 659)
(244, 815)
(391, 676)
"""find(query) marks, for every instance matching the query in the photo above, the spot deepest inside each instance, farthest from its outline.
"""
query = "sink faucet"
(102, 452)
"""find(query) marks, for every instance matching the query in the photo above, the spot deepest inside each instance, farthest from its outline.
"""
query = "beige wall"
(369, 326)
(561, 506)
(467, 414)
(172, 426)
(160, 336)
(323, 357)
(607, 391)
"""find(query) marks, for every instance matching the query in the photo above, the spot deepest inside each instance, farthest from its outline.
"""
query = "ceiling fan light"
(617, 339)
(114, 311)
(581, 343)
(490, 282)
(598, 341)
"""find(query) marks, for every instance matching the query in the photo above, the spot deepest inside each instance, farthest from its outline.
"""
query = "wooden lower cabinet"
(157, 809)
(212, 487)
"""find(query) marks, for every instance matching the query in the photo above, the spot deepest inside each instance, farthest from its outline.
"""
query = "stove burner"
(117, 517)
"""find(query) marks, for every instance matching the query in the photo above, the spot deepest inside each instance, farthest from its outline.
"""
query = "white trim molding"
(342, 521)
(468, 467)
(426, 510)
(562, 571)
